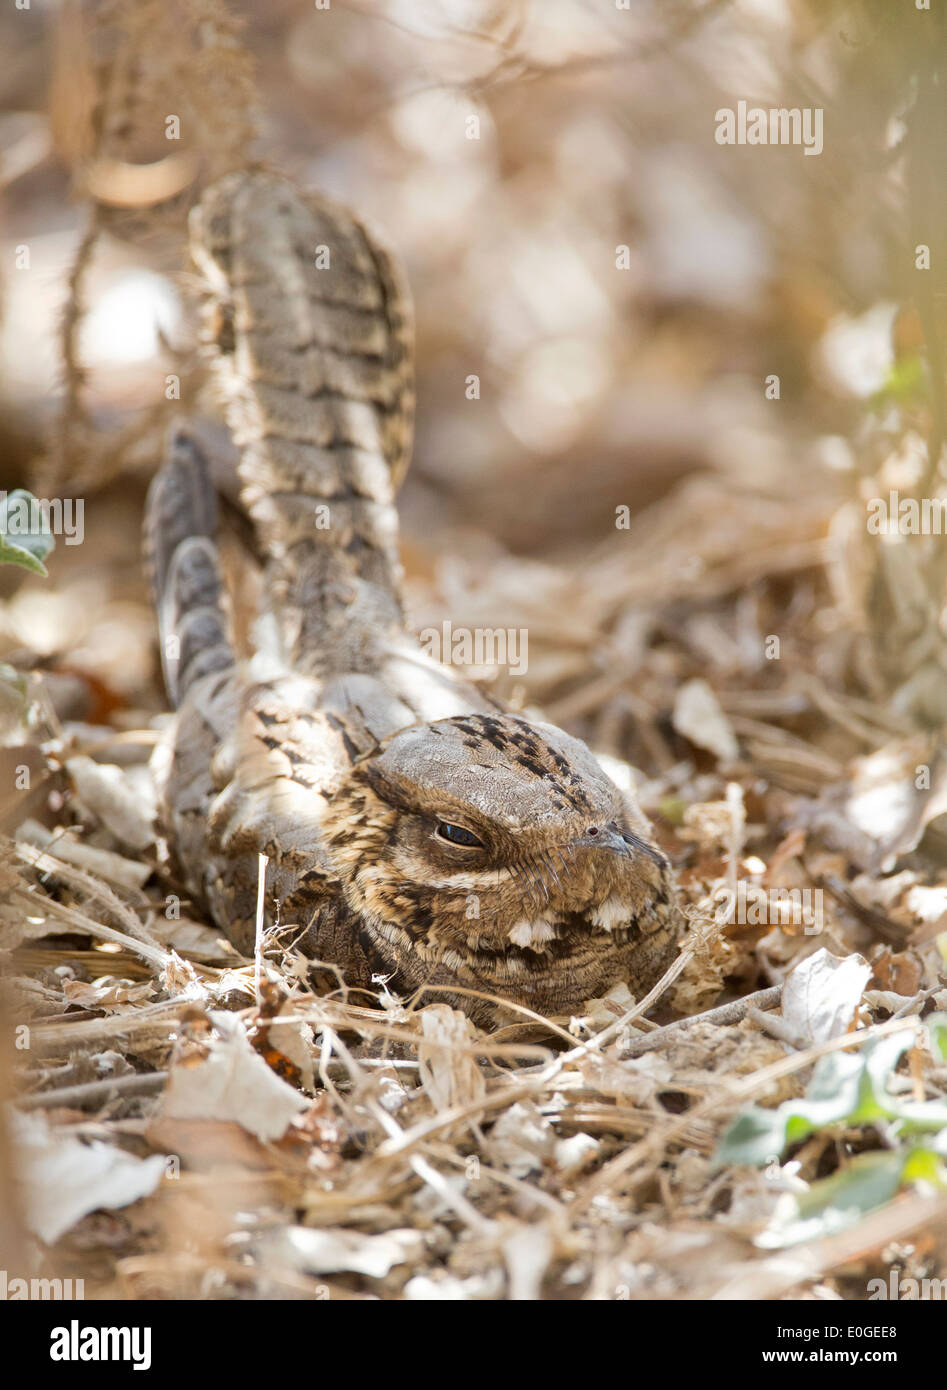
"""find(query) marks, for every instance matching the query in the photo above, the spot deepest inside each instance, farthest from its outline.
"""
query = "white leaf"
(233, 1083)
(448, 1073)
(62, 1180)
(109, 793)
(423, 1289)
(822, 993)
(573, 1154)
(334, 1251)
(698, 716)
(521, 1141)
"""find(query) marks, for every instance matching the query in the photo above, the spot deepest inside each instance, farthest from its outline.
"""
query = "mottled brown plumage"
(414, 832)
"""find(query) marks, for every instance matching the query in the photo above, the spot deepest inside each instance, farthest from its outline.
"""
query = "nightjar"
(414, 832)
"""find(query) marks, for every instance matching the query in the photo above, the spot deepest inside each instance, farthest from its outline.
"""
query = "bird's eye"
(458, 835)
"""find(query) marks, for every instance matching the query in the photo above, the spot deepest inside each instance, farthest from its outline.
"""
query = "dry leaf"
(106, 993)
(897, 971)
(335, 1251)
(822, 993)
(102, 863)
(698, 716)
(521, 1141)
(233, 1083)
(108, 792)
(449, 1075)
(62, 1180)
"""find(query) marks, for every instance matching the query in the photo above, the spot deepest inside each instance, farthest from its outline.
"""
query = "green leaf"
(25, 537)
(672, 810)
(907, 383)
(924, 1164)
(864, 1184)
(846, 1089)
(850, 1089)
(835, 1094)
(756, 1137)
(920, 1117)
(937, 1032)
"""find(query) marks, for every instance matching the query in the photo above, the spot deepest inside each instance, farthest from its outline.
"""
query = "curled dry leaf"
(185, 936)
(599, 1013)
(233, 1083)
(896, 971)
(522, 1141)
(293, 1037)
(448, 1073)
(890, 799)
(822, 993)
(106, 993)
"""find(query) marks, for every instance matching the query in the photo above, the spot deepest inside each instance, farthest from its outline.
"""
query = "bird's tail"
(181, 556)
(309, 329)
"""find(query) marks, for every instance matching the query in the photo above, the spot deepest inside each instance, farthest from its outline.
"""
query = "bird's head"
(499, 851)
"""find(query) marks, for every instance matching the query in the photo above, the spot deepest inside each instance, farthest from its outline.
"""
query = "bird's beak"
(604, 839)
(629, 846)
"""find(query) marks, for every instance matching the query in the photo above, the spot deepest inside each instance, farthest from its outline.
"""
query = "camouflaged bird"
(414, 832)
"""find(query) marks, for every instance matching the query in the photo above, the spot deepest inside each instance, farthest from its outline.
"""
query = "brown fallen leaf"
(899, 971)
